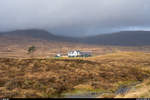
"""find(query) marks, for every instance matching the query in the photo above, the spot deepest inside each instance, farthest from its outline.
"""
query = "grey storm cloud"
(75, 17)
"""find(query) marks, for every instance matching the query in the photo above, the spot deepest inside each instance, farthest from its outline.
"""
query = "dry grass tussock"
(51, 77)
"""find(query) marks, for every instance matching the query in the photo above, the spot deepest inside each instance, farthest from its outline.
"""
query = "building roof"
(74, 51)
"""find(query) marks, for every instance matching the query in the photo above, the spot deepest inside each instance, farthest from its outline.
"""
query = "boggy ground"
(32, 78)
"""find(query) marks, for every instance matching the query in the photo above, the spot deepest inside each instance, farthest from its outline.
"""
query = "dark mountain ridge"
(37, 34)
(123, 38)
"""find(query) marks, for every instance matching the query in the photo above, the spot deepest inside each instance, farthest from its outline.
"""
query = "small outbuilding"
(86, 54)
(58, 55)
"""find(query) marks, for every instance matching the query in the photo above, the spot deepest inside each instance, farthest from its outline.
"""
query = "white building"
(75, 53)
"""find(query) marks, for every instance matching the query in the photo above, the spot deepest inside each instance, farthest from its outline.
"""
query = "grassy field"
(32, 78)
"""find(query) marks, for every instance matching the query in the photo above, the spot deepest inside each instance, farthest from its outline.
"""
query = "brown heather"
(50, 77)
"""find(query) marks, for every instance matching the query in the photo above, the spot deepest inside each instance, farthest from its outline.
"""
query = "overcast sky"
(75, 17)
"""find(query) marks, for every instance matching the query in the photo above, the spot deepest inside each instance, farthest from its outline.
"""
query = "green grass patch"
(82, 91)
(126, 83)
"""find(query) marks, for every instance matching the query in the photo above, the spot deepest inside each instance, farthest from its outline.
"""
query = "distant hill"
(35, 34)
(124, 38)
